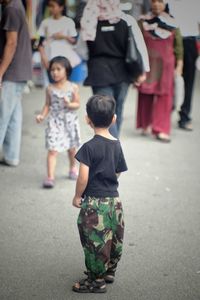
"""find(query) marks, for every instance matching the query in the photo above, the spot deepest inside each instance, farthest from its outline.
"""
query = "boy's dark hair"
(61, 3)
(63, 61)
(100, 110)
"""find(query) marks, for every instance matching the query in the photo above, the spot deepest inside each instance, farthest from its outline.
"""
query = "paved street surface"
(40, 252)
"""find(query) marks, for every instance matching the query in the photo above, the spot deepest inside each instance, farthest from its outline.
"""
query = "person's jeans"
(11, 120)
(119, 92)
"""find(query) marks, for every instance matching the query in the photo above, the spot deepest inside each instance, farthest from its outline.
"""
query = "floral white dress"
(63, 130)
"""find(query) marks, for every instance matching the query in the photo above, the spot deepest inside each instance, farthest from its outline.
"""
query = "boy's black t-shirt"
(105, 158)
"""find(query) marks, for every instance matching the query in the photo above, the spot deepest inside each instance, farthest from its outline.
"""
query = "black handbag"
(133, 58)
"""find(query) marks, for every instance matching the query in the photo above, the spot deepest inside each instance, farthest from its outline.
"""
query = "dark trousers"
(119, 92)
(190, 56)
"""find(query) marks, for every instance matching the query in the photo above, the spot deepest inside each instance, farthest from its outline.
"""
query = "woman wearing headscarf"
(105, 28)
(165, 49)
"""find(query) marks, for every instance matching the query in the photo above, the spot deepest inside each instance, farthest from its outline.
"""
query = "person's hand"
(76, 202)
(66, 101)
(58, 36)
(140, 79)
(179, 71)
(39, 118)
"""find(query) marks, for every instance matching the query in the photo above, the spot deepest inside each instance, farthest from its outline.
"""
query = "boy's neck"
(104, 132)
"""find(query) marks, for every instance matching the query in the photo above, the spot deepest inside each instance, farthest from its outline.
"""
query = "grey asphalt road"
(40, 252)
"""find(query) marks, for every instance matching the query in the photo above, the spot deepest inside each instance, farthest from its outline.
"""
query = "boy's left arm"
(81, 184)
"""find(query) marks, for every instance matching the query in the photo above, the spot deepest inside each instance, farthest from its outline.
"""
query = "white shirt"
(65, 26)
(187, 15)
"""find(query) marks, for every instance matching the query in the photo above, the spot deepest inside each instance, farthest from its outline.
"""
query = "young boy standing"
(100, 222)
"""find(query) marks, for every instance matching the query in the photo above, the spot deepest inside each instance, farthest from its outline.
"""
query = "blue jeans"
(119, 92)
(11, 120)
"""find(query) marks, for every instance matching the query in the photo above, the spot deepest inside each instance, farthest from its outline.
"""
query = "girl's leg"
(73, 173)
(51, 164)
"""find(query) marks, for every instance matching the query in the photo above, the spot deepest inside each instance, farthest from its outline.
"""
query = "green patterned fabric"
(101, 229)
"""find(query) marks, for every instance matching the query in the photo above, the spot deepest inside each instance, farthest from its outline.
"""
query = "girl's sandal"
(88, 286)
(48, 183)
(73, 174)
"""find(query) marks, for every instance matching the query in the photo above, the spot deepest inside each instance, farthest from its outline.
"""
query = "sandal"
(162, 137)
(89, 286)
(48, 183)
(109, 277)
(73, 175)
(146, 131)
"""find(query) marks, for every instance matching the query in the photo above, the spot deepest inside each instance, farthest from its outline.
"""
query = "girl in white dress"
(62, 132)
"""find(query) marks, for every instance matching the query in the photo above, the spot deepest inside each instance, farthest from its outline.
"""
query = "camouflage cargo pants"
(101, 229)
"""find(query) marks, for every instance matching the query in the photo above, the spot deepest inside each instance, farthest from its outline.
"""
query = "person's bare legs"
(51, 164)
(72, 164)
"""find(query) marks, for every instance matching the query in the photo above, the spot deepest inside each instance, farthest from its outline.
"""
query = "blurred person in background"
(190, 29)
(165, 49)
(15, 70)
(57, 36)
(105, 28)
(136, 7)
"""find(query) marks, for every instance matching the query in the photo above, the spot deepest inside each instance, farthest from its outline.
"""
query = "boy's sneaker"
(48, 183)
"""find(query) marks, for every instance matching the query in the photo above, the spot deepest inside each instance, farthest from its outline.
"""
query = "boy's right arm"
(45, 110)
(81, 184)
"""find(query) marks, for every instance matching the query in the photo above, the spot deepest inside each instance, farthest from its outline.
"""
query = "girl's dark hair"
(101, 109)
(61, 3)
(63, 61)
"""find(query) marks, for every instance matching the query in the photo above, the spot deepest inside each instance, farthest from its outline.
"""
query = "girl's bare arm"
(45, 109)
(75, 103)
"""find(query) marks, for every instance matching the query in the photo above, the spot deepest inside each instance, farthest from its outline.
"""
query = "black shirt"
(105, 158)
(106, 64)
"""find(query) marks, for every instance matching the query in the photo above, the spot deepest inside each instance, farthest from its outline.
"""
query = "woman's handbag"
(133, 59)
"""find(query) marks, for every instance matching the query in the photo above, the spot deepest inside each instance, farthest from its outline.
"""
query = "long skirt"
(154, 111)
